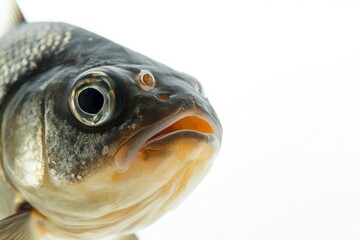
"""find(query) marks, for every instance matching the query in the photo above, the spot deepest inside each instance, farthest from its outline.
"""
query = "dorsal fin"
(10, 15)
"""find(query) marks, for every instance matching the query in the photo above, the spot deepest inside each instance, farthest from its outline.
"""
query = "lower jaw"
(127, 221)
(176, 161)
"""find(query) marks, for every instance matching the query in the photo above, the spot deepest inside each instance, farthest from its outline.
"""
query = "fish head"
(108, 143)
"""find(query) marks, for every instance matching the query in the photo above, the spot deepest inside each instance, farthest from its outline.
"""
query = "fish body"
(97, 141)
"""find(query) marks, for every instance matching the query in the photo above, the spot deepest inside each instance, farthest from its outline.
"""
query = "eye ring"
(146, 80)
(92, 98)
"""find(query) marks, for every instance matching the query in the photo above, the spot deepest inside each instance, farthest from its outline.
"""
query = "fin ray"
(16, 227)
(12, 14)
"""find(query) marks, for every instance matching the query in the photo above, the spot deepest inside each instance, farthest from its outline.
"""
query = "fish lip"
(145, 137)
(155, 138)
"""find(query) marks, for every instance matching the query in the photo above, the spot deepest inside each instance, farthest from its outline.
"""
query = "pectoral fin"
(16, 227)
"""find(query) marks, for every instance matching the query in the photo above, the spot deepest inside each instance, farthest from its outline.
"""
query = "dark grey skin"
(40, 64)
(58, 71)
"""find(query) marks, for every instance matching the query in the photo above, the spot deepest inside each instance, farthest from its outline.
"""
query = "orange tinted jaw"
(161, 175)
(164, 171)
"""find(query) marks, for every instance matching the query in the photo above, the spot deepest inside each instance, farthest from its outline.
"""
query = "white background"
(284, 77)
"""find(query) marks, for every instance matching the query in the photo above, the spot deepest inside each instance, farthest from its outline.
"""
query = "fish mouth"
(187, 124)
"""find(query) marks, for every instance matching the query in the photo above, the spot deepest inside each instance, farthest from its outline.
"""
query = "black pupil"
(91, 100)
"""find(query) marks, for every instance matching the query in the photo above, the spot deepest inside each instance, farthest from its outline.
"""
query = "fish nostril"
(162, 97)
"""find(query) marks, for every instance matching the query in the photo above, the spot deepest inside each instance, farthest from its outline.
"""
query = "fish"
(97, 141)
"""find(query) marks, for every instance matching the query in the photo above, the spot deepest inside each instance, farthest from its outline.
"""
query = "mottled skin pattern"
(38, 63)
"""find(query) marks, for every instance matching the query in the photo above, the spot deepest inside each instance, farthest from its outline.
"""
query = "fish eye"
(146, 80)
(92, 98)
